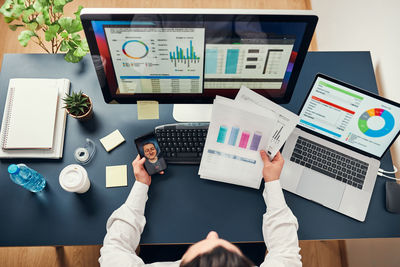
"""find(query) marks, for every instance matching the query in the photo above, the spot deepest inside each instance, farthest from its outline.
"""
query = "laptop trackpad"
(322, 189)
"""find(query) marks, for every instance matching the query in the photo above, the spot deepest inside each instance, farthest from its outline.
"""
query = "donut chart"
(139, 45)
(383, 114)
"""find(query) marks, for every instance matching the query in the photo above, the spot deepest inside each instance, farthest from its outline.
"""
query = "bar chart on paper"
(236, 137)
(277, 134)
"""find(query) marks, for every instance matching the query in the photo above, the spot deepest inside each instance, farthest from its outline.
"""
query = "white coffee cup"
(74, 178)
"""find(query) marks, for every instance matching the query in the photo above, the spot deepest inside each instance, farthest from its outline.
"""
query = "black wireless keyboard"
(182, 143)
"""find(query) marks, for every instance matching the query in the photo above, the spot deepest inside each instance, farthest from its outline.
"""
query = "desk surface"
(182, 208)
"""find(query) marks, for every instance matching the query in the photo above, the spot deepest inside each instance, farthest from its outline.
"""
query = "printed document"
(287, 120)
(236, 134)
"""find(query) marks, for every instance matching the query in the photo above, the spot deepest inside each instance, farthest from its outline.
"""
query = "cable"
(389, 177)
(383, 171)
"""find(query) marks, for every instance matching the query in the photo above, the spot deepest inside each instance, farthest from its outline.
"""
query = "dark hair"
(219, 257)
(148, 143)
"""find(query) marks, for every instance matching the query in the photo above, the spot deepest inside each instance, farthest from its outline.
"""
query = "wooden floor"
(314, 253)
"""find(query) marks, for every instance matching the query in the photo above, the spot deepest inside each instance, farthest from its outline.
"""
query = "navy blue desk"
(182, 208)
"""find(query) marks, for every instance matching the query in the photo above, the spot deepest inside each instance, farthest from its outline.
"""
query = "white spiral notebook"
(33, 120)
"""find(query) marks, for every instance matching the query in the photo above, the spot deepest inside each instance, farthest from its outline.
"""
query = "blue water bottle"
(26, 177)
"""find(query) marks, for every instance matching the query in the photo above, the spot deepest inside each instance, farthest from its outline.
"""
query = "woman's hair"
(219, 257)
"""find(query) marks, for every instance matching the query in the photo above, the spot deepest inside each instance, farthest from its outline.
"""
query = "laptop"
(333, 155)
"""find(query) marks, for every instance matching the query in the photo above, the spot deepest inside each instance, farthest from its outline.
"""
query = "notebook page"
(58, 143)
(32, 114)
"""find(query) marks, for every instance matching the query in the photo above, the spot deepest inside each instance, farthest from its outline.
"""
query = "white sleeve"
(279, 229)
(124, 228)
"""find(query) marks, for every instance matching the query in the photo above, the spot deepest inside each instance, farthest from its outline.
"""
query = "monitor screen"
(351, 116)
(192, 55)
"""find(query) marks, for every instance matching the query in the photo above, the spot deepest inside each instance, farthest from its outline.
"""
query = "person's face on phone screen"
(150, 151)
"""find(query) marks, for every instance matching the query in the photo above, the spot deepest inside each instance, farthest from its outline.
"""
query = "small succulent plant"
(77, 103)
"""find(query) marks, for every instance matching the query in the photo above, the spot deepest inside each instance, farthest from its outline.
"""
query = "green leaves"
(8, 20)
(76, 50)
(79, 52)
(40, 19)
(70, 25)
(41, 16)
(51, 32)
(46, 16)
(78, 13)
(72, 43)
(59, 6)
(74, 46)
(64, 46)
(24, 37)
(38, 6)
(31, 26)
(69, 57)
(59, 2)
(26, 14)
(12, 8)
(14, 27)
(64, 35)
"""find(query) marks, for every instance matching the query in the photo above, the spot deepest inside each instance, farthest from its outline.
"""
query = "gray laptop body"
(333, 155)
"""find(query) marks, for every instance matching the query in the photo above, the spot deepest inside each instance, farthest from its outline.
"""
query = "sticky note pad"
(147, 110)
(116, 176)
(112, 140)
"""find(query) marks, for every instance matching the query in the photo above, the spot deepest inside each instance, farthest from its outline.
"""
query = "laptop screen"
(351, 116)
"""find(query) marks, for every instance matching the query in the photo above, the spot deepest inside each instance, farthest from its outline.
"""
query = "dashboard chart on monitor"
(156, 60)
(135, 49)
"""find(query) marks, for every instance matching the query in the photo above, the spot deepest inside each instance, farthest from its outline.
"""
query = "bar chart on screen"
(178, 55)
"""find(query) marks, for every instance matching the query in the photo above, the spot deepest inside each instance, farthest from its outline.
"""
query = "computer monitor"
(192, 55)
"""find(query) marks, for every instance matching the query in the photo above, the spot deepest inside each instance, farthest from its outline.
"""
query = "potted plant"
(78, 105)
(43, 21)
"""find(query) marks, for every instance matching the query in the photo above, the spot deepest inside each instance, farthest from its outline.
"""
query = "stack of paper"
(33, 123)
(238, 130)
(286, 120)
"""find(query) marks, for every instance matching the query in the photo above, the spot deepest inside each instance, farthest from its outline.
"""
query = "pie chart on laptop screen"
(376, 122)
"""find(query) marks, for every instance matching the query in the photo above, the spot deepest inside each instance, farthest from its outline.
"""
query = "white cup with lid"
(74, 178)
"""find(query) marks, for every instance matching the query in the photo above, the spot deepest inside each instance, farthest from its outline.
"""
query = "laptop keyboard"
(329, 162)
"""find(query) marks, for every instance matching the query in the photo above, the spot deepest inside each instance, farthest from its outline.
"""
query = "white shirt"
(126, 224)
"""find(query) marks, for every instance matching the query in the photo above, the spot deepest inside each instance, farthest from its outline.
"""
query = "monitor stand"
(192, 112)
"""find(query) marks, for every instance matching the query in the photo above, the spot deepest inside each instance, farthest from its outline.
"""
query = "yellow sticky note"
(147, 110)
(112, 140)
(116, 176)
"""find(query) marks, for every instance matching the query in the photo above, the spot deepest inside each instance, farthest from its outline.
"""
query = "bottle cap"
(13, 168)
(74, 178)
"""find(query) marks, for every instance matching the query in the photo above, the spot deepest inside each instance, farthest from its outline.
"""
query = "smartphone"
(148, 147)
